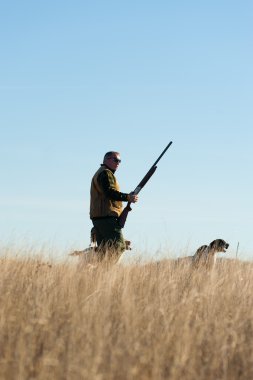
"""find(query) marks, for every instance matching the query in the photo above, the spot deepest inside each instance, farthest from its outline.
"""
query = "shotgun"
(123, 215)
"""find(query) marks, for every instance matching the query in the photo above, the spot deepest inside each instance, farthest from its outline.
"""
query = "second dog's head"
(219, 245)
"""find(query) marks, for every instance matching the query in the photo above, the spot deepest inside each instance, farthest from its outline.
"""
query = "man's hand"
(133, 198)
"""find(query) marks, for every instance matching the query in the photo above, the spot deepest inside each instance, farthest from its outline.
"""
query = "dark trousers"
(109, 236)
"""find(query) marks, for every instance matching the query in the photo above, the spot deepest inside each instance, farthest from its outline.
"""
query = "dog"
(205, 256)
(92, 255)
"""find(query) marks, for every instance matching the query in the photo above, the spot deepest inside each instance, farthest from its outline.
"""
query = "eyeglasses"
(118, 161)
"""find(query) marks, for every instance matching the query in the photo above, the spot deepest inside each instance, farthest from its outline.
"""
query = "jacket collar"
(107, 167)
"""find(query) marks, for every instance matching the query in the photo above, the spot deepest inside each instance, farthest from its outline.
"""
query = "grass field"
(61, 321)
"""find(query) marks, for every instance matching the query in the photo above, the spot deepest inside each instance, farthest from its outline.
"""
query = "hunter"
(106, 206)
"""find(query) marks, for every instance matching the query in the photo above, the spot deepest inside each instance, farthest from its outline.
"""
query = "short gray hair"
(109, 154)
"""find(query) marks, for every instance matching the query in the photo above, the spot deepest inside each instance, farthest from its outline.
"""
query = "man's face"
(113, 161)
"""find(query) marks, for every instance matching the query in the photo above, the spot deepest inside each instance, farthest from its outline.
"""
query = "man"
(106, 206)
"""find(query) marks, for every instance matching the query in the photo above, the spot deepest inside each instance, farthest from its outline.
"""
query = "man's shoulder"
(101, 170)
(104, 173)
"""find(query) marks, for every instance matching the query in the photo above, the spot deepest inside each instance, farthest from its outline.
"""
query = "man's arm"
(107, 182)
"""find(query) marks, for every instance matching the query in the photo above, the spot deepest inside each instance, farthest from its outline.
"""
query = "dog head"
(219, 245)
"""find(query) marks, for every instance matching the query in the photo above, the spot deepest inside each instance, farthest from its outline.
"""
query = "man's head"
(112, 160)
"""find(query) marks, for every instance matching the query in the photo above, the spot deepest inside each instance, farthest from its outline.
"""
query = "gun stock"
(123, 215)
(145, 179)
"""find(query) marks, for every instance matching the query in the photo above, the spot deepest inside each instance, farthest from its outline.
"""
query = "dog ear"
(222, 243)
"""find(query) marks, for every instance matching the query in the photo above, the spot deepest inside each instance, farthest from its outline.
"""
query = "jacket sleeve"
(107, 182)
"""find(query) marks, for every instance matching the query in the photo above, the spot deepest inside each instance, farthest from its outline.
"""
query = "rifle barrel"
(167, 147)
(123, 215)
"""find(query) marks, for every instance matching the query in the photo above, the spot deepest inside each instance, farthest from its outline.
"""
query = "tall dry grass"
(134, 322)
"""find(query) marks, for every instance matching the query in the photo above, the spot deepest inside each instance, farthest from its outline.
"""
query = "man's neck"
(107, 167)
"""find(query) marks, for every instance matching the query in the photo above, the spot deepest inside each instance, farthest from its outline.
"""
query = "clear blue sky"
(80, 78)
